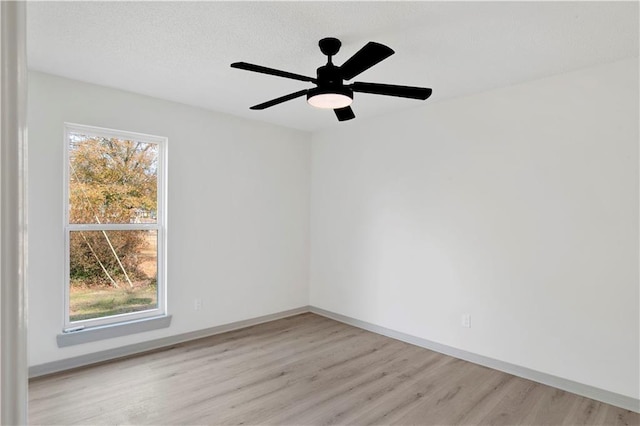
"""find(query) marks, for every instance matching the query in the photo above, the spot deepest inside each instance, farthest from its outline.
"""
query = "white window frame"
(159, 226)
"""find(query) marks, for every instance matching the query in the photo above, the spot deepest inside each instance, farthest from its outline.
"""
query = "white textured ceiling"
(182, 51)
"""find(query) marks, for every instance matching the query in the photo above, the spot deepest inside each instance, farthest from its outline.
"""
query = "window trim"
(94, 334)
(160, 226)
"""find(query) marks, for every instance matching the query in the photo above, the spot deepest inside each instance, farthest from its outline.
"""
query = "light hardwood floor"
(305, 370)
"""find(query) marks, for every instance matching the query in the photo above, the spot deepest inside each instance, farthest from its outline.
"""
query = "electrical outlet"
(465, 321)
(197, 304)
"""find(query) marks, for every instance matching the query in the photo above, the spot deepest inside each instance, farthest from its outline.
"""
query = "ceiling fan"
(330, 91)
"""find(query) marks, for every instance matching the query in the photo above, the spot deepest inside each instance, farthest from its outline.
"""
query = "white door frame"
(13, 214)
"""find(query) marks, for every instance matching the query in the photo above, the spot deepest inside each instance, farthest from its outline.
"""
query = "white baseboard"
(136, 348)
(588, 391)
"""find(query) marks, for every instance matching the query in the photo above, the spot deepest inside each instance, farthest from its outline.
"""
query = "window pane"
(112, 272)
(112, 180)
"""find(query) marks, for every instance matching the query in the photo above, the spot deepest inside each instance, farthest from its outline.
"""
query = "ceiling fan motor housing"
(330, 92)
(329, 75)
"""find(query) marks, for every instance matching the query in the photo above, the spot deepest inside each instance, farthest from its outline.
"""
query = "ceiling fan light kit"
(339, 97)
(330, 91)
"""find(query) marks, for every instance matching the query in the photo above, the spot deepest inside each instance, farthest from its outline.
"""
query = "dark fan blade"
(344, 114)
(392, 90)
(280, 100)
(271, 71)
(365, 58)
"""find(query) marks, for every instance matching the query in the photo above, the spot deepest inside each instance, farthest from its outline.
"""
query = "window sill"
(93, 334)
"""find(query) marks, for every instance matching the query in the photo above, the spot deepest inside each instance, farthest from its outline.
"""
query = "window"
(114, 226)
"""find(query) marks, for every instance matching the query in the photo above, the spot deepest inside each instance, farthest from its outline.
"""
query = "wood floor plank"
(319, 381)
(552, 408)
(330, 406)
(515, 406)
(273, 377)
(304, 370)
(401, 399)
(453, 398)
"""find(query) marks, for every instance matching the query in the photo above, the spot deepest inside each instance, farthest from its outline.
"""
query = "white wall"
(238, 214)
(518, 206)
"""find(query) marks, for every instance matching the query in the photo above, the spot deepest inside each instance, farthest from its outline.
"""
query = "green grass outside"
(87, 302)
